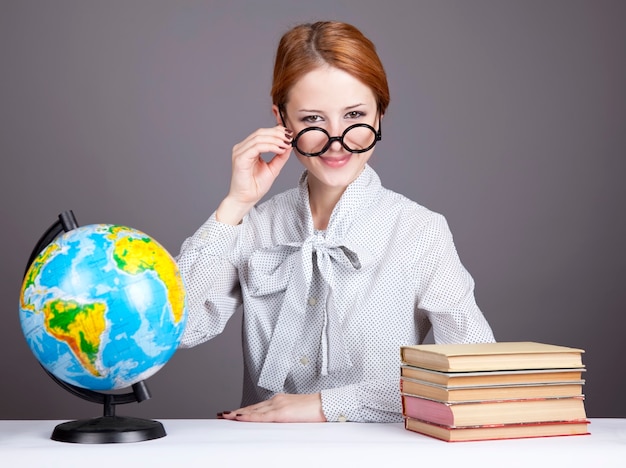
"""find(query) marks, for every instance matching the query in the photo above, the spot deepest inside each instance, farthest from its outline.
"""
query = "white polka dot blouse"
(327, 311)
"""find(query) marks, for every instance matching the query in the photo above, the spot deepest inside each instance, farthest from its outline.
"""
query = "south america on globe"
(103, 307)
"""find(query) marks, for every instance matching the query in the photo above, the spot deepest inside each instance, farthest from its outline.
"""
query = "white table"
(220, 443)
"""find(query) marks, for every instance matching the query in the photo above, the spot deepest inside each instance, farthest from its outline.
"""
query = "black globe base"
(108, 430)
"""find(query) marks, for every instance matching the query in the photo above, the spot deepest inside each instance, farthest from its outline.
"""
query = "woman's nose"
(335, 144)
(336, 133)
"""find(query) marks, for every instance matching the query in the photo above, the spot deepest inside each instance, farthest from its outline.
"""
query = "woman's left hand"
(281, 408)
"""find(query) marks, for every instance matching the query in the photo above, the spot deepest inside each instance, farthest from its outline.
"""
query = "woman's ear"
(276, 112)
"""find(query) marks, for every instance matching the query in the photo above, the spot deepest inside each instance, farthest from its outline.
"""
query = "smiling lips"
(336, 162)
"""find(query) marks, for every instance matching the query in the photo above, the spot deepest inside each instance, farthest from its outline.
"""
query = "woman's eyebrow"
(318, 111)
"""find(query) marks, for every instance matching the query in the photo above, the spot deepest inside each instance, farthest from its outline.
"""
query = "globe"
(103, 307)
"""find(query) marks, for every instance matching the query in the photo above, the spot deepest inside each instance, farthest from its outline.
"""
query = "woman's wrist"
(231, 212)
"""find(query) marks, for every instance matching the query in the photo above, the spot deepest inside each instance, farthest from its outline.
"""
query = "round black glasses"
(315, 141)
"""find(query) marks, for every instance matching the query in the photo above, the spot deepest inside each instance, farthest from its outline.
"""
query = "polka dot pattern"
(327, 311)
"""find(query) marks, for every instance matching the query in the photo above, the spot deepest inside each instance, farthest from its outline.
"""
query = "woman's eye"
(312, 119)
(355, 114)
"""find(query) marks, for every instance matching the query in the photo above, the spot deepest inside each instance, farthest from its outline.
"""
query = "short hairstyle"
(340, 45)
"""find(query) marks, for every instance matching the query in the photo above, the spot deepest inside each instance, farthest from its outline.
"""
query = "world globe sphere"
(103, 307)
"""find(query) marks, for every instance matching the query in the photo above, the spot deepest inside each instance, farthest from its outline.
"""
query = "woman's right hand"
(252, 176)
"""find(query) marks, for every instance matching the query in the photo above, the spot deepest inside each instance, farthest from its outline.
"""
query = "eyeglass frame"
(294, 142)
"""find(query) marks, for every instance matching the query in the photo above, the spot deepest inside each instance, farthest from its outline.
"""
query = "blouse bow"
(289, 268)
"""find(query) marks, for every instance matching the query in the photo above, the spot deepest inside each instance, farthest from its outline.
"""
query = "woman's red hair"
(340, 45)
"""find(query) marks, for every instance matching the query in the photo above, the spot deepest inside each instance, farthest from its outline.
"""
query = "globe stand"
(108, 428)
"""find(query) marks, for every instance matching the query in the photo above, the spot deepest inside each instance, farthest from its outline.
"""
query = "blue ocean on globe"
(103, 307)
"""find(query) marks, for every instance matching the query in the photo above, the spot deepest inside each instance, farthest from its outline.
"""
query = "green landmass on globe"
(103, 307)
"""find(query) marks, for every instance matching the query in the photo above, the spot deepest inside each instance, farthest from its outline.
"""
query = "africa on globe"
(103, 307)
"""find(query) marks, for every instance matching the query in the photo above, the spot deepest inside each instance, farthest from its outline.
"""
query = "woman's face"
(333, 100)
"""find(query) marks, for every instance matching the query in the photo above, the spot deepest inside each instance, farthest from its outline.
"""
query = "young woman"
(336, 274)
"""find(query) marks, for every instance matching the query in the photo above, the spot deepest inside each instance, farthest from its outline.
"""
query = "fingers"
(276, 164)
(280, 408)
(252, 177)
(266, 416)
(265, 140)
(239, 413)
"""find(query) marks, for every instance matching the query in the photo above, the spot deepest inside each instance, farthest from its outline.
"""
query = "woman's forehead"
(328, 88)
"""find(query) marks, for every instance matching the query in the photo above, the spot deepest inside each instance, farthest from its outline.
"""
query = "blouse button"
(304, 360)
(312, 301)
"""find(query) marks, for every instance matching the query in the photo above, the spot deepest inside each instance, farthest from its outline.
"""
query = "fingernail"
(225, 412)
(289, 132)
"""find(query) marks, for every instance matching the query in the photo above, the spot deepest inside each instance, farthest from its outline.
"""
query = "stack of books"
(486, 391)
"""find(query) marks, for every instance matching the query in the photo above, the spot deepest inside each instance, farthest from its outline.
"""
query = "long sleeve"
(445, 290)
(368, 401)
(206, 263)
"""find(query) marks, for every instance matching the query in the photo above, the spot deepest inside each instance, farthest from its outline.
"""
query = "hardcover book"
(498, 431)
(493, 392)
(482, 378)
(491, 356)
(478, 413)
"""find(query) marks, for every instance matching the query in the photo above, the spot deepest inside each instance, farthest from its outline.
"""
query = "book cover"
(490, 392)
(482, 378)
(498, 431)
(478, 413)
(491, 356)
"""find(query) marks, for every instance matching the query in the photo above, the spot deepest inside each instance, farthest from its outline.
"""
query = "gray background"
(508, 117)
